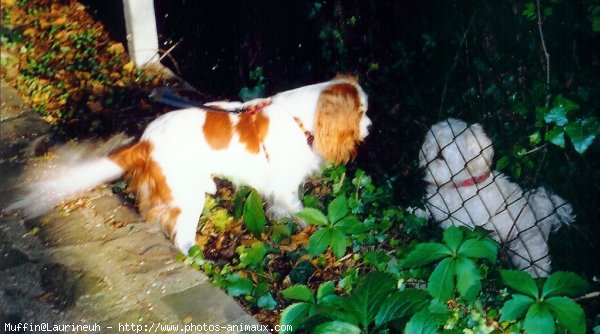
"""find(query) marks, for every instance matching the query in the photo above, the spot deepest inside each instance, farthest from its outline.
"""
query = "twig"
(546, 54)
(449, 73)
(590, 295)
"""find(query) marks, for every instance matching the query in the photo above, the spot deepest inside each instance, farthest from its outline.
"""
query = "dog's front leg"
(286, 204)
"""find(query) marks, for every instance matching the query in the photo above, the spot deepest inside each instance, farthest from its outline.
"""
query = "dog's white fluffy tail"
(73, 170)
(551, 208)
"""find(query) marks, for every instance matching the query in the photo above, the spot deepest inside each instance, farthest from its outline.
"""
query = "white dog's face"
(454, 151)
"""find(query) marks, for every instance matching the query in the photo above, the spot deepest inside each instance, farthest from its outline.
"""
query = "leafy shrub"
(545, 310)
(334, 228)
(456, 259)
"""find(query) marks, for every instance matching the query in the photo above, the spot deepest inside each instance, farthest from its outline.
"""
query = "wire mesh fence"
(464, 190)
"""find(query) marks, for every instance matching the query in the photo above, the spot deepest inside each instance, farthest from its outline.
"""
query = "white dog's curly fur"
(463, 190)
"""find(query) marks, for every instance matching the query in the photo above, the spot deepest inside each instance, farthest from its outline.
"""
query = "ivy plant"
(456, 258)
(545, 310)
(560, 118)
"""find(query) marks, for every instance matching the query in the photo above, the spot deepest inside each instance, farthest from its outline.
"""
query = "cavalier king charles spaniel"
(274, 145)
(464, 190)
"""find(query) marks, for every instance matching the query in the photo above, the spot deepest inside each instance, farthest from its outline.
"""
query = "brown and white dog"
(274, 147)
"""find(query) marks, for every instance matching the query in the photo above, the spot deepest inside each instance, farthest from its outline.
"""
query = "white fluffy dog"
(463, 190)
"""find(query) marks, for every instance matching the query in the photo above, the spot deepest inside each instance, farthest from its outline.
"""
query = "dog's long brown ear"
(337, 122)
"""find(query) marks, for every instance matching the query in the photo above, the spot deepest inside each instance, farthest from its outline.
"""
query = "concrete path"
(80, 268)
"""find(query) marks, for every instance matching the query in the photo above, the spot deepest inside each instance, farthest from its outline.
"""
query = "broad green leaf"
(453, 237)
(267, 301)
(568, 313)
(299, 292)
(401, 304)
(479, 249)
(502, 163)
(520, 281)
(556, 136)
(368, 296)
(238, 286)
(468, 278)
(564, 103)
(334, 311)
(441, 281)
(253, 255)
(421, 323)
(312, 216)
(254, 214)
(582, 133)
(324, 290)
(339, 242)
(516, 308)
(337, 209)
(238, 201)
(336, 327)
(350, 225)
(293, 316)
(539, 320)
(556, 115)
(562, 283)
(319, 241)
(425, 253)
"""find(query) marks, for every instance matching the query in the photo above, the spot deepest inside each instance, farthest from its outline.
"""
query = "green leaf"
(312, 216)
(565, 104)
(441, 282)
(338, 242)
(267, 301)
(556, 115)
(253, 255)
(562, 283)
(539, 320)
(401, 304)
(368, 296)
(568, 313)
(421, 323)
(556, 136)
(337, 209)
(468, 279)
(350, 225)
(299, 292)
(520, 281)
(238, 286)
(425, 253)
(238, 201)
(535, 138)
(319, 241)
(502, 163)
(516, 308)
(336, 327)
(582, 133)
(293, 316)
(479, 249)
(254, 214)
(453, 237)
(324, 290)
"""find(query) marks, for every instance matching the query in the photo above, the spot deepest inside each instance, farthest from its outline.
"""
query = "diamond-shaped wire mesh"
(463, 189)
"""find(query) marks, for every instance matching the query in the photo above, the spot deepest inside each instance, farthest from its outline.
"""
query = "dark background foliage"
(420, 62)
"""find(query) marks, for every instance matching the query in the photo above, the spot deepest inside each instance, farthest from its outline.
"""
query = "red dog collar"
(474, 180)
